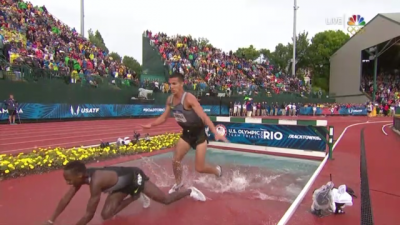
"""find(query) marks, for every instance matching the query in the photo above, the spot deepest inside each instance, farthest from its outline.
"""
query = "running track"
(22, 193)
(25, 137)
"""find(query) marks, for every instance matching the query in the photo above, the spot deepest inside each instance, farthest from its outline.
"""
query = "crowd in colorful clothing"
(388, 87)
(33, 36)
(250, 108)
(204, 65)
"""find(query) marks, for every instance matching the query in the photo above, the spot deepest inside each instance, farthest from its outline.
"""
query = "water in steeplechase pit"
(251, 183)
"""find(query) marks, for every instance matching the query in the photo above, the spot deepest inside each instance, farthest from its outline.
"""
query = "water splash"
(254, 181)
(162, 177)
(234, 181)
(263, 196)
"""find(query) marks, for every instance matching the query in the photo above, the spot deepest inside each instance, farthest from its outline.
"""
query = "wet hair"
(75, 167)
(177, 75)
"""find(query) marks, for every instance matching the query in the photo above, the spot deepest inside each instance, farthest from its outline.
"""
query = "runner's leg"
(182, 148)
(151, 190)
(113, 203)
(201, 165)
(125, 203)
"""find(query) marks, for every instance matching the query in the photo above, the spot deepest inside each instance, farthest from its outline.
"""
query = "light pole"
(83, 18)
(295, 8)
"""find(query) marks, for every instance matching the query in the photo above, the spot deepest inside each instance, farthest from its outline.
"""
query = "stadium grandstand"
(211, 72)
(355, 60)
(38, 47)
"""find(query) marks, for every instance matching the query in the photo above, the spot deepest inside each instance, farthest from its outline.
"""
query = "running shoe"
(219, 168)
(145, 200)
(175, 188)
(197, 195)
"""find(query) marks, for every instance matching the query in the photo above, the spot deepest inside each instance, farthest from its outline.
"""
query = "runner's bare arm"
(95, 194)
(195, 105)
(64, 202)
(161, 119)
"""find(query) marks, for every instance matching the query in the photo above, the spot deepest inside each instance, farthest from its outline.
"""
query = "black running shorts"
(136, 184)
(194, 136)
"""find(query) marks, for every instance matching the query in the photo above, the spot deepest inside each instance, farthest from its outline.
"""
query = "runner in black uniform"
(123, 184)
(190, 116)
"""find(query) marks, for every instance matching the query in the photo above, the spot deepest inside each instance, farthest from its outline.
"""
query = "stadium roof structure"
(345, 63)
(394, 17)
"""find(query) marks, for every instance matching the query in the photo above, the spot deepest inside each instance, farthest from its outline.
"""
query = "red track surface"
(25, 137)
(31, 200)
(382, 161)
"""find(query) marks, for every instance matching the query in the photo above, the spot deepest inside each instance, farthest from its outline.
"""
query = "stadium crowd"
(205, 65)
(388, 87)
(31, 35)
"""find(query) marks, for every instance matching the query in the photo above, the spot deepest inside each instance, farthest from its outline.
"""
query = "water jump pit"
(255, 188)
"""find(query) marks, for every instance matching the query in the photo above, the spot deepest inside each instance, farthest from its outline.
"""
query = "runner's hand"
(48, 223)
(147, 126)
(219, 137)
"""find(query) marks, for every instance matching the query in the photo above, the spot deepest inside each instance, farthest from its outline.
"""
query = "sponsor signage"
(280, 136)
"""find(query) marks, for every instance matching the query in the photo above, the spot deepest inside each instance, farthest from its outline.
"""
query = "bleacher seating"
(46, 47)
(206, 66)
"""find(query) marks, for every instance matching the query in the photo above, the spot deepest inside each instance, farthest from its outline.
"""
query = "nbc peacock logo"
(355, 24)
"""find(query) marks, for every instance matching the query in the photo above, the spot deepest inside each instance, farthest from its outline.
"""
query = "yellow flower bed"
(43, 160)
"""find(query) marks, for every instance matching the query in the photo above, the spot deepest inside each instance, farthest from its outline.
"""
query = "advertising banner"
(279, 136)
(67, 111)
(38, 111)
(355, 111)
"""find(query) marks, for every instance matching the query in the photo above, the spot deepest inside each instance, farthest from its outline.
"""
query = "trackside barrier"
(308, 135)
(330, 141)
(36, 111)
(305, 134)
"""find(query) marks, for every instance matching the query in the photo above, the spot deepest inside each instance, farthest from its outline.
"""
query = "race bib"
(179, 117)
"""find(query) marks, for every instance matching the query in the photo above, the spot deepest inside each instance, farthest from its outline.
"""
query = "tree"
(323, 46)
(266, 54)
(204, 42)
(132, 64)
(249, 53)
(302, 44)
(97, 40)
(281, 56)
(98, 36)
(115, 56)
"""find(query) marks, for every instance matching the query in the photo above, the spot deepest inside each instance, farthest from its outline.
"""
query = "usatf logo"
(221, 130)
(73, 112)
(80, 110)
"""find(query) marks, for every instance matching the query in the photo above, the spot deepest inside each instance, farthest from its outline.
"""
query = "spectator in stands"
(221, 71)
(43, 42)
(388, 86)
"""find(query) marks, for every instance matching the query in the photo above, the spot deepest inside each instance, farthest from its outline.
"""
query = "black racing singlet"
(185, 118)
(126, 177)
